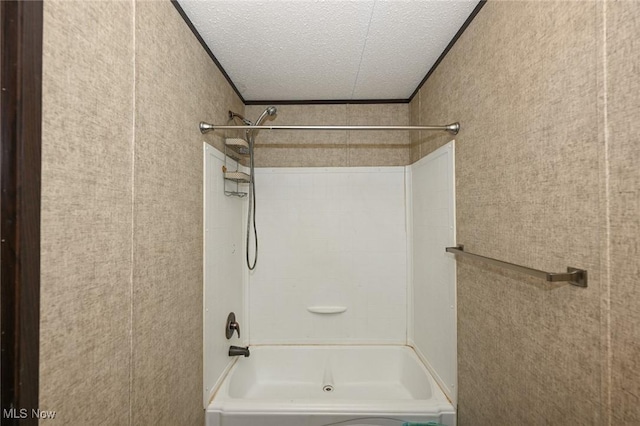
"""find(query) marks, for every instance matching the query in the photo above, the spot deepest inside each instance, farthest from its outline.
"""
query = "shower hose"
(251, 212)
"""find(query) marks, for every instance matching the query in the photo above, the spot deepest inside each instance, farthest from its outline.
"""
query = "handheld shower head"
(251, 134)
(269, 112)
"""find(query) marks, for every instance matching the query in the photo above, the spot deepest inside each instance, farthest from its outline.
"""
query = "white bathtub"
(371, 385)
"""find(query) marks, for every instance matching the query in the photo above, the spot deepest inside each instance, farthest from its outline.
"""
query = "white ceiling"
(327, 50)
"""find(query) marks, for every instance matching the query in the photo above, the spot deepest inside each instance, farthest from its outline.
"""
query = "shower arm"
(452, 128)
(233, 115)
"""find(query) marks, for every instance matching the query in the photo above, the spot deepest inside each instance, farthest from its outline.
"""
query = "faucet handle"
(232, 325)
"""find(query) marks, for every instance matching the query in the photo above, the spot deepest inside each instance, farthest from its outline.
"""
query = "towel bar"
(573, 276)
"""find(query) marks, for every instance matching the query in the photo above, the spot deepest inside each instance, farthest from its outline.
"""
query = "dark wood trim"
(205, 47)
(453, 41)
(330, 102)
(20, 130)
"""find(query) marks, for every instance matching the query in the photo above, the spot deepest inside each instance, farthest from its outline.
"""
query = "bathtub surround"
(224, 269)
(356, 256)
(330, 237)
(547, 177)
(432, 282)
(124, 85)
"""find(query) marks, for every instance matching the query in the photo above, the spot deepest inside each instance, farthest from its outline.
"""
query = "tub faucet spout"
(237, 351)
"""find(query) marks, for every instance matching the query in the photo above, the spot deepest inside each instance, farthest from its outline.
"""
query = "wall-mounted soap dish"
(326, 309)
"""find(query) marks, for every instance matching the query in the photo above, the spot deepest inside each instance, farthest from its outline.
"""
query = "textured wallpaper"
(547, 176)
(331, 148)
(87, 134)
(623, 126)
(124, 87)
(526, 81)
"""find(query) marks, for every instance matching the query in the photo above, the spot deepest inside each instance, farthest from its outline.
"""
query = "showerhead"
(269, 112)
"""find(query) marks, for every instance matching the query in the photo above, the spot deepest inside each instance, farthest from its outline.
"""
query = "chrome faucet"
(238, 350)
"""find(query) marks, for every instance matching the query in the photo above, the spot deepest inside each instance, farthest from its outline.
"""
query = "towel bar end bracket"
(574, 276)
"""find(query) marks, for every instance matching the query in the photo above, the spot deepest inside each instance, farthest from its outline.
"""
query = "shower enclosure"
(348, 256)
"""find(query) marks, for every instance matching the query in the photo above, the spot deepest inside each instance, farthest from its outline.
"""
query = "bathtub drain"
(327, 388)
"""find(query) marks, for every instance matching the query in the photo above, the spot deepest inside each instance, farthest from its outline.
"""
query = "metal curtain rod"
(574, 276)
(452, 128)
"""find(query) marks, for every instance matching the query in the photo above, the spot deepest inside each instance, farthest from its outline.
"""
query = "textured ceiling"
(327, 50)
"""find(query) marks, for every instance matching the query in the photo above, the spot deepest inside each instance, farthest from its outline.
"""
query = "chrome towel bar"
(573, 276)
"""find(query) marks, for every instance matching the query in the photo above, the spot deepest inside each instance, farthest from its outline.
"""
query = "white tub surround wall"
(330, 238)
(432, 331)
(223, 270)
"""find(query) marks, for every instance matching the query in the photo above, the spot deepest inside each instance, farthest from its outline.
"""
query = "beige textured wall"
(177, 86)
(527, 80)
(87, 142)
(125, 84)
(623, 115)
(283, 148)
(122, 198)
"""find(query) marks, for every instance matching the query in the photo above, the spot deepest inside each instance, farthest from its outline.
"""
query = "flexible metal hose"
(251, 212)
(251, 137)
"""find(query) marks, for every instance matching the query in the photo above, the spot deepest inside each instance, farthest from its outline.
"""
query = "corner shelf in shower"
(236, 149)
(235, 176)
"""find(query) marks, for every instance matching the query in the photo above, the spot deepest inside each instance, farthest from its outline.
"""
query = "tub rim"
(221, 402)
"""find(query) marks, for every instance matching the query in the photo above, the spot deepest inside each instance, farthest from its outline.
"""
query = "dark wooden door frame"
(20, 162)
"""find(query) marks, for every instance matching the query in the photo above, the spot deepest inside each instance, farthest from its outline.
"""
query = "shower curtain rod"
(452, 128)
